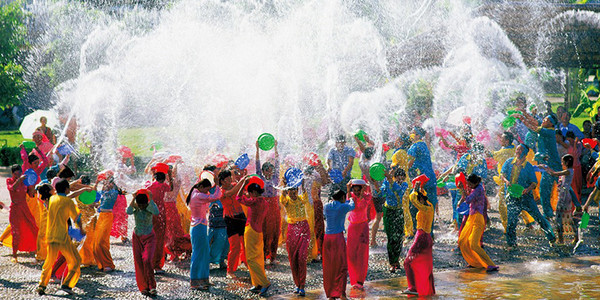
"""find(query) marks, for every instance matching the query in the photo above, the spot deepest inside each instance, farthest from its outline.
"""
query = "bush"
(10, 156)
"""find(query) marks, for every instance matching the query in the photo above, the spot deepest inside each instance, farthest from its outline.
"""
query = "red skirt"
(335, 266)
(419, 265)
(23, 228)
(358, 255)
(119, 226)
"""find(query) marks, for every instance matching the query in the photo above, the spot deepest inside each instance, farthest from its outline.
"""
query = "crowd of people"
(227, 216)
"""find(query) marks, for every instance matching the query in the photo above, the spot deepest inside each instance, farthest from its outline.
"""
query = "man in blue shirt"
(516, 170)
(566, 126)
(548, 152)
(341, 158)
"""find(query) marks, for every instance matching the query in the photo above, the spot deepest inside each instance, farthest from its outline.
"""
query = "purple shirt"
(270, 183)
(477, 201)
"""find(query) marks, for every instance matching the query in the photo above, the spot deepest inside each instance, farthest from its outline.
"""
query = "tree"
(12, 44)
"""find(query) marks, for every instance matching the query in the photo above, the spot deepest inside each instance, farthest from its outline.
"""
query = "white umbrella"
(32, 121)
(456, 116)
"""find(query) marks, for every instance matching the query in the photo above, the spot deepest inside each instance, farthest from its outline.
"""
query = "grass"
(11, 138)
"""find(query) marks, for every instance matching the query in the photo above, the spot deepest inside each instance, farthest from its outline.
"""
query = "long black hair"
(223, 175)
(202, 183)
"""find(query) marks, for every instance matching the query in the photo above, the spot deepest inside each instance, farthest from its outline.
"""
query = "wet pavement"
(532, 265)
(567, 278)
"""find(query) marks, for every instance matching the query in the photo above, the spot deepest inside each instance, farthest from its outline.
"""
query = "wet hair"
(340, 139)
(51, 173)
(266, 166)
(85, 179)
(141, 199)
(405, 138)
(508, 136)
(399, 172)
(15, 168)
(254, 187)
(568, 160)
(45, 191)
(338, 195)
(211, 168)
(204, 183)
(66, 172)
(160, 176)
(62, 186)
(587, 122)
(474, 179)
(369, 152)
(31, 158)
(223, 175)
(570, 134)
(420, 131)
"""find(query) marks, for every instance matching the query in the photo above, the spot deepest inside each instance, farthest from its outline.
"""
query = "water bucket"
(31, 177)
(585, 219)
(242, 161)
(421, 178)
(312, 159)
(360, 134)
(377, 171)
(516, 190)
(88, 197)
(76, 234)
(255, 179)
(65, 149)
(590, 142)
(509, 122)
(336, 175)
(266, 141)
(293, 177)
(463, 209)
(460, 178)
(29, 145)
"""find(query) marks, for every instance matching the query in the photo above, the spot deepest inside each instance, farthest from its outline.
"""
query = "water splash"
(210, 76)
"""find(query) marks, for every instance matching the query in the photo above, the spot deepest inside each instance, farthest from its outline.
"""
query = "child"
(471, 233)
(393, 191)
(235, 220)
(418, 263)
(253, 236)
(101, 245)
(335, 266)
(298, 234)
(60, 209)
(144, 241)
(198, 200)
(217, 235)
(23, 228)
(269, 173)
(88, 219)
(358, 232)
(119, 228)
(565, 201)
(159, 188)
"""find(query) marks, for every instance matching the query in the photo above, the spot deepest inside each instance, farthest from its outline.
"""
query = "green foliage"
(10, 156)
(420, 97)
(12, 43)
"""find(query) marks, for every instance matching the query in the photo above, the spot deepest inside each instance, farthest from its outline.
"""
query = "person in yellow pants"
(60, 209)
(470, 236)
(253, 236)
